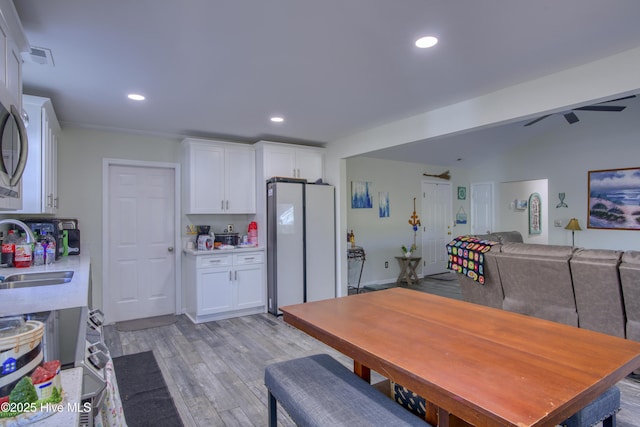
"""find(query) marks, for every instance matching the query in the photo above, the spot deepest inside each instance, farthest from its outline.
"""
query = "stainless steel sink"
(42, 278)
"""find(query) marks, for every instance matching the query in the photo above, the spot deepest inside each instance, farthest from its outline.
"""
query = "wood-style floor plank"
(214, 371)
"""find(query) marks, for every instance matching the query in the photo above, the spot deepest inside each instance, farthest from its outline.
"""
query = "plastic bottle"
(23, 255)
(8, 249)
(38, 254)
(50, 251)
(253, 233)
(49, 244)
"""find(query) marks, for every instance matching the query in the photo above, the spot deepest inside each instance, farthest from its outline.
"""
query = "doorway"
(482, 208)
(141, 262)
(436, 226)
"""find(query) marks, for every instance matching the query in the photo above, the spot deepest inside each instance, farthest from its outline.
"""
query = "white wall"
(80, 154)
(514, 219)
(382, 238)
(600, 140)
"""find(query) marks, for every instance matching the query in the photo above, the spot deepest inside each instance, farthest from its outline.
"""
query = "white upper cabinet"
(219, 177)
(291, 161)
(12, 43)
(40, 178)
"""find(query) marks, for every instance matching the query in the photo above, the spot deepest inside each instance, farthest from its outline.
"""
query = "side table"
(408, 269)
(354, 255)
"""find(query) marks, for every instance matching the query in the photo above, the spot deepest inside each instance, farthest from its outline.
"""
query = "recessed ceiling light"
(277, 119)
(426, 42)
(136, 97)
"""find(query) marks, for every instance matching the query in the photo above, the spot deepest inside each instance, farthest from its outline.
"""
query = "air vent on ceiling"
(41, 55)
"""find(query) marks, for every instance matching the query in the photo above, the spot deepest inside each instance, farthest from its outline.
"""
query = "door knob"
(170, 248)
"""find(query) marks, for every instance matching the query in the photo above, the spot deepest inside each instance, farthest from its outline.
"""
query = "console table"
(408, 269)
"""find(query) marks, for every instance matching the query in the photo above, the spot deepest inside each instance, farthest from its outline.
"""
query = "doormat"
(149, 322)
(145, 397)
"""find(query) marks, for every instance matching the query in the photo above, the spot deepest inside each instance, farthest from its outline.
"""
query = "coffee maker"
(204, 242)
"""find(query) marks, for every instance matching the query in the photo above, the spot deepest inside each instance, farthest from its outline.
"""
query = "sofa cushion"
(630, 281)
(536, 281)
(507, 236)
(596, 284)
(537, 250)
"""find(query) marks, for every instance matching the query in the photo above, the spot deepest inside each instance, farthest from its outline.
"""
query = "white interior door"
(141, 241)
(436, 223)
(482, 208)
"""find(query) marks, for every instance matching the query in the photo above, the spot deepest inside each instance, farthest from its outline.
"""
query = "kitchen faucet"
(30, 237)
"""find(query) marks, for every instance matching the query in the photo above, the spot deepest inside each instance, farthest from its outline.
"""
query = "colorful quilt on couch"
(466, 256)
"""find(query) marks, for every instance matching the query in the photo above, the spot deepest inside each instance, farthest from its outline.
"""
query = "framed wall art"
(361, 195)
(614, 199)
(535, 214)
(462, 193)
(383, 204)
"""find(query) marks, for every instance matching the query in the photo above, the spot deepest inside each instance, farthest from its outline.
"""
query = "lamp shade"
(573, 225)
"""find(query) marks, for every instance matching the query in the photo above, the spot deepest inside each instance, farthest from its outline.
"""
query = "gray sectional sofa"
(593, 289)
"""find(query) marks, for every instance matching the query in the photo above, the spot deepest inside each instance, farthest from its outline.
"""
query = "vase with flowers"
(407, 252)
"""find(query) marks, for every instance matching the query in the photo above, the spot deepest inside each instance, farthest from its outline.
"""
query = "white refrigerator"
(301, 261)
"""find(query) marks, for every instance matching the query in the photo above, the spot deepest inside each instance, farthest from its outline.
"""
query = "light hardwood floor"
(214, 371)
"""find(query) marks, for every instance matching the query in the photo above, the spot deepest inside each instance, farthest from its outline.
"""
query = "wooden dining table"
(485, 366)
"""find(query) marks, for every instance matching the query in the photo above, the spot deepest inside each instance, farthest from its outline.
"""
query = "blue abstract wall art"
(383, 205)
(361, 195)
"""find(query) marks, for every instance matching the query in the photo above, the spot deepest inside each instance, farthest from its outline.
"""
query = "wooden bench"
(319, 391)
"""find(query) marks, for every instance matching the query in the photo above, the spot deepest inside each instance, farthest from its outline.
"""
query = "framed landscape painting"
(614, 199)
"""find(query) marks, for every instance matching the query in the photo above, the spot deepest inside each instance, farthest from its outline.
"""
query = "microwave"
(14, 149)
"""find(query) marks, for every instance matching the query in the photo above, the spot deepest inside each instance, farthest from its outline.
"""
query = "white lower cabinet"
(223, 286)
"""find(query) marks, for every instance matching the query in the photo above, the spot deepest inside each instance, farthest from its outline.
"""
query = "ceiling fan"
(572, 118)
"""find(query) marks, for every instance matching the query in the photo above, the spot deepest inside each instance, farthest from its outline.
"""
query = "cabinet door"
(240, 174)
(14, 81)
(49, 165)
(249, 282)
(309, 165)
(206, 179)
(279, 161)
(215, 291)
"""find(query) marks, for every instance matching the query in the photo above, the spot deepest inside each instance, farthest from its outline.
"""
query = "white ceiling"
(221, 68)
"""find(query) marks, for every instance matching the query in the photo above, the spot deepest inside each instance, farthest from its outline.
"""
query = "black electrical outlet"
(386, 264)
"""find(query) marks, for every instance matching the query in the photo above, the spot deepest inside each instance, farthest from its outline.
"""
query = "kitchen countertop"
(51, 297)
(223, 251)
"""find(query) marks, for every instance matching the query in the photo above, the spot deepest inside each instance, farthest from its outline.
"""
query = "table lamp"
(573, 226)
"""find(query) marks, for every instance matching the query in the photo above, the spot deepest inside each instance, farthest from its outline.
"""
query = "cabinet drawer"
(214, 261)
(248, 258)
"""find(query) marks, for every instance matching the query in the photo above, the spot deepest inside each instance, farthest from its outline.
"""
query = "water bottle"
(50, 249)
(38, 254)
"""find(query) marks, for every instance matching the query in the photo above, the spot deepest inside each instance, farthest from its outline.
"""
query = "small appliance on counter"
(69, 235)
(204, 242)
(227, 239)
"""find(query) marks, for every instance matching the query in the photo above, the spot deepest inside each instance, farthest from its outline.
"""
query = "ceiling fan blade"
(601, 108)
(618, 99)
(571, 118)
(537, 120)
